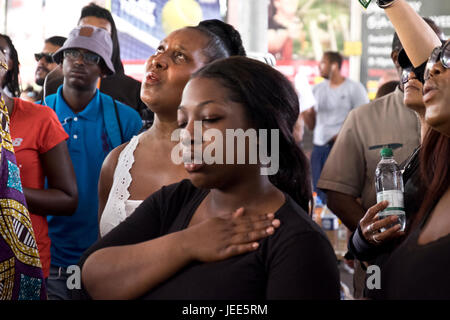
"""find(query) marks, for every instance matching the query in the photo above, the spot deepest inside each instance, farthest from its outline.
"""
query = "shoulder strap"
(49, 101)
(118, 121)
(111, 119)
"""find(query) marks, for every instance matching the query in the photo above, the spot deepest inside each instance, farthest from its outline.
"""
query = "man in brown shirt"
(349, 172)
(348, 176)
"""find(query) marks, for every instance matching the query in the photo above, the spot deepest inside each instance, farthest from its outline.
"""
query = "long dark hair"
(12, 81)
(434, 170)
(93, 10)
(271, 102)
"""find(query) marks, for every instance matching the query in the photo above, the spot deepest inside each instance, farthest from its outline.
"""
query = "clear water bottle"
(389, 186)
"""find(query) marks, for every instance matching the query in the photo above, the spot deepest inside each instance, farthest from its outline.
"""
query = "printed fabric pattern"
(21, 276)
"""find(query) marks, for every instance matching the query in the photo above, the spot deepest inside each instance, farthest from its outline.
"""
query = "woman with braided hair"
(10, 82)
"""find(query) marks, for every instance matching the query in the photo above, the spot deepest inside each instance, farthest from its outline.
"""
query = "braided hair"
(11, 80)
(224, 40)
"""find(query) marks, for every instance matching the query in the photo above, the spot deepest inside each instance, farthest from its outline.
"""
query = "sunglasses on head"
(441, 54)
(88, 57)
(47, 56)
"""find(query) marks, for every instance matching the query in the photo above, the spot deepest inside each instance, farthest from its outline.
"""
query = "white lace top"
(118, 207)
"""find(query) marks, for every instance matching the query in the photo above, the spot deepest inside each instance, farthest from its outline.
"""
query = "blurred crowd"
(94, 206)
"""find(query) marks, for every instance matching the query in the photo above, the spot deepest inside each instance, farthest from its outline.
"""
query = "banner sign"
(144, 23)
(377, 35)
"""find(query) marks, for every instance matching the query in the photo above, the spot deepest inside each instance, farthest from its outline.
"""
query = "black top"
(296, 262)
(418, 271)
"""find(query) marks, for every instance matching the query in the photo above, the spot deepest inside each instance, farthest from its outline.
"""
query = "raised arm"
(412, 30)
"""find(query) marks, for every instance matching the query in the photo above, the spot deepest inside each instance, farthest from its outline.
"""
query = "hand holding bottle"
(371, 225)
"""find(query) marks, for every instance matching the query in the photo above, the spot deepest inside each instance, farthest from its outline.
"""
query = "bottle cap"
(386, 152)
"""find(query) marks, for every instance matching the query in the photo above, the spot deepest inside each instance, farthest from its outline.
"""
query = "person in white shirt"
(336, 96)
(306, 100)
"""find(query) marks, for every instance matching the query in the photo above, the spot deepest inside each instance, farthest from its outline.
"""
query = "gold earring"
(4, 65)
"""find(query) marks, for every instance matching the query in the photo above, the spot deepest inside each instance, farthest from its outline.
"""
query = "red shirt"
(35, 130)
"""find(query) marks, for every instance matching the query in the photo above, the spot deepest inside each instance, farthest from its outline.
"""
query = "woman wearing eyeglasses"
(367, 243)
(418, 268)
(40, 145)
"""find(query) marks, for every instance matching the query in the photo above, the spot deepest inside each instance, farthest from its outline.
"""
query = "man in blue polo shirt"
(96, 124)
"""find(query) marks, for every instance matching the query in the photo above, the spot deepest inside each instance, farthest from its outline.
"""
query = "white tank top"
(118, 207)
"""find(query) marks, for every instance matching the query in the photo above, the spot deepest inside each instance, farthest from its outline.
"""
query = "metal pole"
(253, 24)
(5, 17)
(355, 34)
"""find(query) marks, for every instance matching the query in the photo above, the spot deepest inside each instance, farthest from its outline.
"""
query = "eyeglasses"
(47, 56)
(441, 54)
(405, 75)
(89, 58)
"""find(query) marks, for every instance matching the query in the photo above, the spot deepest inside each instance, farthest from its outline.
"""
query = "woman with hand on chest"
(213, 236)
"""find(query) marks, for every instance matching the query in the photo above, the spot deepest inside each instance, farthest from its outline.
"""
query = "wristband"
(385, 3)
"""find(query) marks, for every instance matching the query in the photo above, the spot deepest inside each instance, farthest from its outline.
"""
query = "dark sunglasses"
(441, 54)
(88, 57)
(405, 74)
(47, 56)
(407, 67)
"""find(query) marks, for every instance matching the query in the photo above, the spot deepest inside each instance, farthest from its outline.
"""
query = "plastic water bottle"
(389, 186)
